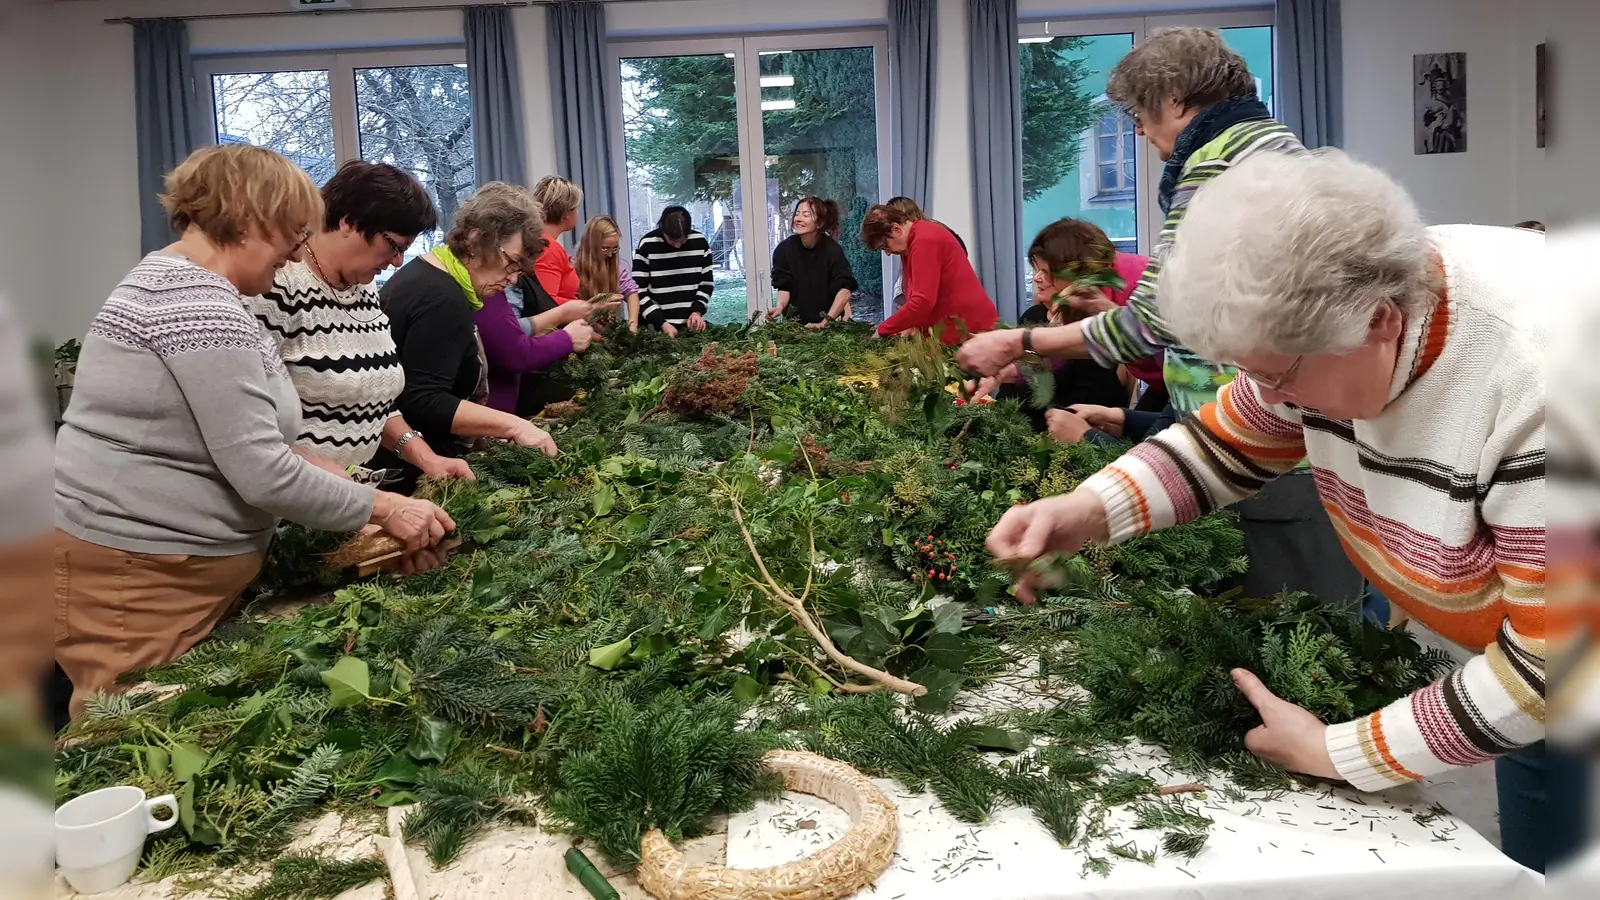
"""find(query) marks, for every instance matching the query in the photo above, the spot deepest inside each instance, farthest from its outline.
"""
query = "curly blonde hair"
(226, 190)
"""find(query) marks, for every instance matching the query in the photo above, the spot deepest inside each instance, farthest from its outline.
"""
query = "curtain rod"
(273, 14)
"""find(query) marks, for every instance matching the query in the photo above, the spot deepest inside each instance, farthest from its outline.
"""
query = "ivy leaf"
(746, 689)
(820, 685)
(432, 740)
(779, 453)
(942, 685)
(876, 637)
(651, 645)
(188, 761)
(611, 655)
(605, 497)
(984, 737)
(186, 808)
(401, 769)
(636, 523)
(157, 760)
(947, 617)
(485, 590)
(715, 624)
(349, 681)
(845, 629)
(395, 798)
(947, 651)
(402, 678)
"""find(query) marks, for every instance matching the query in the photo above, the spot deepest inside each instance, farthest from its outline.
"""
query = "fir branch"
(306, 877)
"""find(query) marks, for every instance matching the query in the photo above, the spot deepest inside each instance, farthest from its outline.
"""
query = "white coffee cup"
(100, 836)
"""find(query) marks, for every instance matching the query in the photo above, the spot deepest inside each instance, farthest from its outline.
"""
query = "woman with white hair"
(1406, 365)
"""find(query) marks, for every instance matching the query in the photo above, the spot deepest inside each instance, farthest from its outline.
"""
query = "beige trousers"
(119, 612)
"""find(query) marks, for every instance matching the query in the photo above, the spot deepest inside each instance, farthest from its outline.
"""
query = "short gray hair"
(490, 217)
(1194, 65)
(1291, 254)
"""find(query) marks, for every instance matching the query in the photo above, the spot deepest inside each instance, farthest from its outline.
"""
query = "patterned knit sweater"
(1136, 331)
(1439, 501)
(342, 359)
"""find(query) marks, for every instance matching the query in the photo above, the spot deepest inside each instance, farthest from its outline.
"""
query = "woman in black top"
(809, 270)
(430, 303)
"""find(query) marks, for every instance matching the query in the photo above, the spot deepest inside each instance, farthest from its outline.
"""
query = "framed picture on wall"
(1439, 103)
(1539, 87)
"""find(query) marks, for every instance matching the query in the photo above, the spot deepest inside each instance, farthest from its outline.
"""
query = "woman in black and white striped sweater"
(673, 269)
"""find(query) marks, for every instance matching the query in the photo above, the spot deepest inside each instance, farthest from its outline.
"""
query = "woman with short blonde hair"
(433, 304)
(173, 462)
(560, 199)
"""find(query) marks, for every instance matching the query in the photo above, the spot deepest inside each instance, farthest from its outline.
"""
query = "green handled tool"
(590, 877)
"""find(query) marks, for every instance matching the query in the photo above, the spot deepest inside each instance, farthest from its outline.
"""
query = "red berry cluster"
(941, 562)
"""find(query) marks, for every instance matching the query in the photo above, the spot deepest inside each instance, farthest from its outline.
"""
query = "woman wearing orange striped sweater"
(1406, 365)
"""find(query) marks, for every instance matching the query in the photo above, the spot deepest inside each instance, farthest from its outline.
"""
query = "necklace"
(341, 296)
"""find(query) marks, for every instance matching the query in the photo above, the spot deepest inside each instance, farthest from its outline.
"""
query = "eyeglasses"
(301, 240)
(609, 251)
(395, 247)
(513, 263)
(1278, 382)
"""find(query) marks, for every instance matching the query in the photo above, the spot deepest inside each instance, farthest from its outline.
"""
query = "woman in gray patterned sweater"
(173, 462)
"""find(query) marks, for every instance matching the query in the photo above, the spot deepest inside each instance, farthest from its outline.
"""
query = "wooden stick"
(376, 564)
(1169, 790)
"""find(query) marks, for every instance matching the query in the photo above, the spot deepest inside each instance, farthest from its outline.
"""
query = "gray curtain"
(913, 58)
(1310, 72)
(165, 115)
(496, 97)
(580, 104)
(997, 151)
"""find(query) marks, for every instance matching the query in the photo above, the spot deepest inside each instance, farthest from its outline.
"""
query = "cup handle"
(153, 824)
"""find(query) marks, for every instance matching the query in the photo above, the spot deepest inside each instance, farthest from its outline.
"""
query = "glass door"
(709, 123)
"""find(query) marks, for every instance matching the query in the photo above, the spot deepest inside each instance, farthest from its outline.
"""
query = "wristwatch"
(404, 440)
(1027, 344)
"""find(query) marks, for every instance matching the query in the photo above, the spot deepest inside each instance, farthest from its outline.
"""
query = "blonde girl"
(600, 268)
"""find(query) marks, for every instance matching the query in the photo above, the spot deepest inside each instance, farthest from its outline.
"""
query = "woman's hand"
(418, 523)
(576, 310)
(819, 324)
(424, 560)
(1109, 419)
(1288, 735)
(990, 385)
(696, 322)
(1065, 427)
(531, 435)
(1060, 524)
(1089, 301)
(668, 329)
(581, 332)
(633, 327)
(435, 466)
(990, 352)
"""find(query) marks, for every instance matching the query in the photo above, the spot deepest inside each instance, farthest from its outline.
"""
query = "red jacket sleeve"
(553, 269)
(922, 273)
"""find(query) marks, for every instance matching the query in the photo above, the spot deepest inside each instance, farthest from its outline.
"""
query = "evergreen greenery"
(606, 647)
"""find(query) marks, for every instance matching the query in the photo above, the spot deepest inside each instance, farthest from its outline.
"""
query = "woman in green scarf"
(430, 303)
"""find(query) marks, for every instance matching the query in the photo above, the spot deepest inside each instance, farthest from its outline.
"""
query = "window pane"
(420, 119)
(289, 112)
(1108, 148)
(1063, 104)
(1255, 45)
(820, 125)
(681, 138)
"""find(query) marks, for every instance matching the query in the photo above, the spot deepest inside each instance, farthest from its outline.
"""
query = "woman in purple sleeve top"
(515, 346)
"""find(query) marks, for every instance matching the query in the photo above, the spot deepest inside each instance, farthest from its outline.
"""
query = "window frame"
(752, 135)
(1147, 211)
(341, 66)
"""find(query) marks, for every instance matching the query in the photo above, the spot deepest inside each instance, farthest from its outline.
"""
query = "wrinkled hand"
(990, 352)
(1288, 735)
(990, 385)
(436, 466)
(1065, 427)
(696, 322)
(574, 310)
(1109, 419)
(581, 332)
(419, 523)
(531, 435)
(1061, 524)
(669, 330)
(423, 561)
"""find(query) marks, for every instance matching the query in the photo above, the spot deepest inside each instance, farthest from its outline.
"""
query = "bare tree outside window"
(420, 119)
(288, 112)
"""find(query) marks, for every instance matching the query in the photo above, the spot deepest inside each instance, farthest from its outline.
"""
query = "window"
(410, 109)
(739, 129)
(1080, 157)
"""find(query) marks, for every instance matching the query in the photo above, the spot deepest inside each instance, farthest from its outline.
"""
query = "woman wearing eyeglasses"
(600, 269)
(174, 460)
(432, 302)
(323, 314)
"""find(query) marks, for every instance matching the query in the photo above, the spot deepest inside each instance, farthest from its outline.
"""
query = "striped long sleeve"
(1456, 540)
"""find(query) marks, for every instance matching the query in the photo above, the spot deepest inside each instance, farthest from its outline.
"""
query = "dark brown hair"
(827, 213)
(907, 206)
(880, 221)
(1072, 244)
(377, 197)
(675, 224)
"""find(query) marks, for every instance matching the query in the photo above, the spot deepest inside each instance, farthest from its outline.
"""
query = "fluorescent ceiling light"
(729, 55)
(777, 81)
(773, 105)
(1043, 39)
(774, 52)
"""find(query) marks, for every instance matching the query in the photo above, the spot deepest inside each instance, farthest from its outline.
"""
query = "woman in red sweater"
(554, 269)
(943, 295)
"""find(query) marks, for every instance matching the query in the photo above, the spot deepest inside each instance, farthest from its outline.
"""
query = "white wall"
(67, 154)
